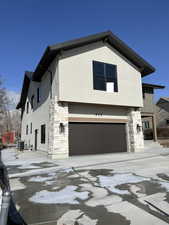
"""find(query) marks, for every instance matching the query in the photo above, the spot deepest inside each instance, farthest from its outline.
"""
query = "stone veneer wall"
(58, 141)
(136, 139)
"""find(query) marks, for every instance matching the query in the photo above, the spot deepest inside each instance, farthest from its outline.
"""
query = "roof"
(163, 99)
(54, 50)
(26, 82)
(154, 86)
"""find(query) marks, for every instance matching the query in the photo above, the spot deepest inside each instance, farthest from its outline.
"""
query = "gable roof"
(166, 99)
(162, 99)
(52, 51)
(26, 82)
(154, 86)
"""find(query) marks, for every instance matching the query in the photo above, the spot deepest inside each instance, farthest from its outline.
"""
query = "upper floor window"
(27, 107)
(32, 101)
(43, 133)
(38, 95)
(146, 125)
(26, 129)
(105, 77)
(31, 128)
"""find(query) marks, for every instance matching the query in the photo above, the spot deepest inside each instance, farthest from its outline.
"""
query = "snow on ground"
(111, 182)
(16, 184)
(77, 216)
(39, 179)
(99, 196)
(67, 195)
(165, 185)
(28, 166)
(10, 156)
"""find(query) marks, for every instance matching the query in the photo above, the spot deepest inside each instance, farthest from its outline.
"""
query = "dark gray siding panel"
(96, 138)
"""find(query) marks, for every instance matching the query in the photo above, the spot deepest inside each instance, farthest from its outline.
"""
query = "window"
(26, 129)
(31, 128)
(167, 121)
(43, 131)
(143, 93)
(32, 101)
(27, 107)
(38, 95)
(105, 77)
(146, 124)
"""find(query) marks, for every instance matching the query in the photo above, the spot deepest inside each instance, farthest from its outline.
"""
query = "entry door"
(96, 138)
(36, 138)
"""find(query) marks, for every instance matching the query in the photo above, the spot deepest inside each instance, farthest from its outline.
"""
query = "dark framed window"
(104, 74)
(31, 128)
(26, 129)
(38, 95)
(27, 107)
(43, 133)
(32, 101)
(143, 90)
(146, 124)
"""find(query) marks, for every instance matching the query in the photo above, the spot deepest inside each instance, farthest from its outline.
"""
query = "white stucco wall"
(97, 111)
(40, 114)
(76, 77)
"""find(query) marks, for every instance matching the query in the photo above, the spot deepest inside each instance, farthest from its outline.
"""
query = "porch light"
(61, 128)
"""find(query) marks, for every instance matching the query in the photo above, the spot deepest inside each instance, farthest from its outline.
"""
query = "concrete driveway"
(119, 189)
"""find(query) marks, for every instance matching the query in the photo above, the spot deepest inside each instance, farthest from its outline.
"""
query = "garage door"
(96, 138)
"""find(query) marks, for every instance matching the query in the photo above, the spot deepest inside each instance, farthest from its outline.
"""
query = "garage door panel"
(96, 138)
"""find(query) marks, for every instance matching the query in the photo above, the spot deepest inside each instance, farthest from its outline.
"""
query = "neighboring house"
(84, 97)
(162, 113)
(148, 112)
(8, 138)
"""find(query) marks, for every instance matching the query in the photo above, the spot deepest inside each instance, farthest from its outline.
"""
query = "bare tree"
(10, 120)
(3, 106)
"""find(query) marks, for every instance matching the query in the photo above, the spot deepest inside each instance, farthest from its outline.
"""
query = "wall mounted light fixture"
(61, 128)
(139, 128)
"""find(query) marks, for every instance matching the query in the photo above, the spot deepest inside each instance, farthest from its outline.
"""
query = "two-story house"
(148, 112)
(84, 97)
(162, 112)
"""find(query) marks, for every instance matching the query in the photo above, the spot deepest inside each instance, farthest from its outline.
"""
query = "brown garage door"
(96, 138)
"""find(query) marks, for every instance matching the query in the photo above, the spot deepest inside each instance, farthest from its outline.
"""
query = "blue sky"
(28, 26)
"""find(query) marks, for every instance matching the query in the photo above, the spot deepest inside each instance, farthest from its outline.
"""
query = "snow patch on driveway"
(165, 185)
(28, 166)
(111, 182)
(67, 195)
(39, 179)
(75, 216)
